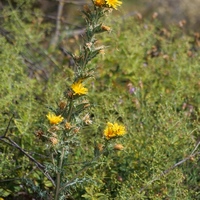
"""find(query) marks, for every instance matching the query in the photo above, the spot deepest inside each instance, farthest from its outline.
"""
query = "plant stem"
(70, 110)
(59, 172)
(58, 176)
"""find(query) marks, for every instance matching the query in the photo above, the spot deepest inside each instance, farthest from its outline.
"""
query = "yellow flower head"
(113, 130)
(113, 3)
(53, 119)
(78, 88)
(99, 2)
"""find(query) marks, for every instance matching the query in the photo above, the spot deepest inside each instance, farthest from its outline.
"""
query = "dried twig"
(58, 22)
(6, 131)
(75, 2)
(9, 141)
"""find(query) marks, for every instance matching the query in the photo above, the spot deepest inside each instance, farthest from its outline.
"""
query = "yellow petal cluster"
(114, 130)
(53, 119)
(78, 88)
(111, 3)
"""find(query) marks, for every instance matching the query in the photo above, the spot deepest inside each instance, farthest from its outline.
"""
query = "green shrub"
(147, 80)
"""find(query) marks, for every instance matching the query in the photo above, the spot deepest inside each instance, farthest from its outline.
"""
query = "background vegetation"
(148, 79)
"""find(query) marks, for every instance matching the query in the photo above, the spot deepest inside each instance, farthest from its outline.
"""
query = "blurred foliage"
(180, 12)
(149, 79)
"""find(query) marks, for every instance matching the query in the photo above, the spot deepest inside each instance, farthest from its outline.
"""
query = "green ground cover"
(148, 80)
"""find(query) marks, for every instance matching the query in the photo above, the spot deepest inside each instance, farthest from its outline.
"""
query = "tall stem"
(70, 110)
(58, 176)
(60, 165)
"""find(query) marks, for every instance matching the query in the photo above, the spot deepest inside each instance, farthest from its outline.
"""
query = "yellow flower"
(78, 88)
(53, 119)
(113, 3)
(99, 2)
(113, 130)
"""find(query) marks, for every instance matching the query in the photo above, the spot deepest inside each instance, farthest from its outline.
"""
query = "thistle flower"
(53, 119)
(113, 3)
(78, 88)
(114, 130)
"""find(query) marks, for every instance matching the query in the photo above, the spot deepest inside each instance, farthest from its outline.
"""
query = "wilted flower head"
(53, 119)
(87, 119)
(62, 105)
(99, 2)
(38, 133)
(114, 130)
(76, 130)
(78, 88)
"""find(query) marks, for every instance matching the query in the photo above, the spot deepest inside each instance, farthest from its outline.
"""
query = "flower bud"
(105, 28)
(68, 125)
(118, 147)
(53, 140)
(62, 105)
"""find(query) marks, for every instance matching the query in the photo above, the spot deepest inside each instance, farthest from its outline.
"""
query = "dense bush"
(148, 79)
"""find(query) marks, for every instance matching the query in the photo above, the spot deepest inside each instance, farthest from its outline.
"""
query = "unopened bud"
(105, 28)
(118, 147)
(76, 130)
(100, 147)
(62, 105)
(68, 125)
(53, 140)
(39, 133)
